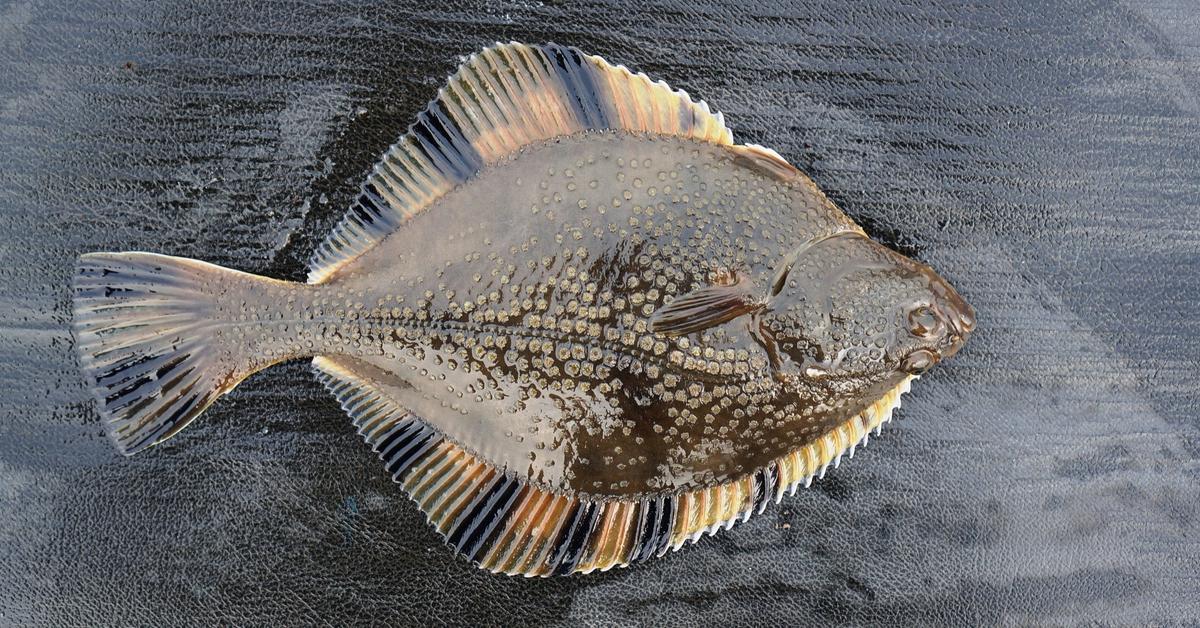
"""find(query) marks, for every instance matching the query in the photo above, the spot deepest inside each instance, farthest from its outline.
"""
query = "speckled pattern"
(1041, 158)
(615, 333)
(522, 334)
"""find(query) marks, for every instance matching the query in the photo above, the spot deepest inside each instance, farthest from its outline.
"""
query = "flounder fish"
(579, 325)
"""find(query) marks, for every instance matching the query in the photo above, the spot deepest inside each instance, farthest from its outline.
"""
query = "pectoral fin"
(704, 308)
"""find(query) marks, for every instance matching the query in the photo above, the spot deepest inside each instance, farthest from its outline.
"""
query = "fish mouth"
(960, 320)
(958, 316)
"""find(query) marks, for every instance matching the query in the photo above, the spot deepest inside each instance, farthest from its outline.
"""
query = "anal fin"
(504, 524)
(400, 438)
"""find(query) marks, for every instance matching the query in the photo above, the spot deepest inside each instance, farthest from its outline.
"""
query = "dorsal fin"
(504, 524)
(768, 161)
(505, 97)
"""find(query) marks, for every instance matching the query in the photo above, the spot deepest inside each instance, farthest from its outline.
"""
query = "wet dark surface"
(1042, 158)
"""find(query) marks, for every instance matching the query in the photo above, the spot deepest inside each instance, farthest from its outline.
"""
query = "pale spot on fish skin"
(577, 353)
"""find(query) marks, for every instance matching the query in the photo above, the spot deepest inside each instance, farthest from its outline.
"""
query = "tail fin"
(144, 329)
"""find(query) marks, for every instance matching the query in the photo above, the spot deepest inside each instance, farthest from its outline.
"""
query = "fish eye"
(918, 361)
(923, 322)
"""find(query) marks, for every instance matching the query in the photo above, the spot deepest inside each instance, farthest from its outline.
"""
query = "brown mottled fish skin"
(528, 341)
(590, 335)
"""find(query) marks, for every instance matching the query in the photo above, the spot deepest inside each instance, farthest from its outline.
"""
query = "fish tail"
(160, 338)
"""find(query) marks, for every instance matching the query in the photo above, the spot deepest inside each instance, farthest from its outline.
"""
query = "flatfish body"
(579, 325)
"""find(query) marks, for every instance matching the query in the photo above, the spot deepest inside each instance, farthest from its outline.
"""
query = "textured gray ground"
(1042, 158)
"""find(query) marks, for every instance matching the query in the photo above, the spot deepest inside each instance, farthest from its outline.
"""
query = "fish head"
(844, 307)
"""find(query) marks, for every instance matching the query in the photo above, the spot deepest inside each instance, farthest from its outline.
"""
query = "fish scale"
(577, 323)
(587, 269)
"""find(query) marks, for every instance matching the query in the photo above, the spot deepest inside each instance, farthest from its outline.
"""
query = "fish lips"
(958, 316)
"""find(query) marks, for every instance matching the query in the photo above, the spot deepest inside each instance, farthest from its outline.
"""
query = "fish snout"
(958, 317)
(958, 314)
(945, 322)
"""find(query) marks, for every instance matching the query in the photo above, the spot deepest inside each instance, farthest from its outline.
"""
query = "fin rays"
(503, 524)
(501, 99)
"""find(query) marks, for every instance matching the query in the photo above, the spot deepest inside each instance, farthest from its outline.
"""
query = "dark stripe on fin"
(369, 211)
(647, 523)
(404, 445)
(654, 528)
(575, 537)
(764, 487)
(483, 517)
(579, 83)
(662, 542)
(412, 453)
(443, 143)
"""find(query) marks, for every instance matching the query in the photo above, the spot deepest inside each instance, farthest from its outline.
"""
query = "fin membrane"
(144, 340)
(501, 99)
(769, 162)
(704, 308)
(505, 525)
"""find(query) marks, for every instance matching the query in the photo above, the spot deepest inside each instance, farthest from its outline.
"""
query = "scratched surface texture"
(1043, 157)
